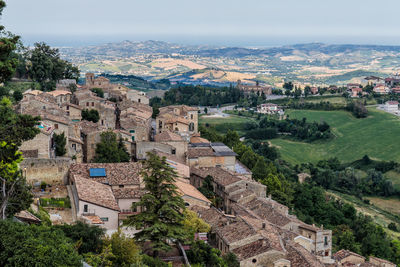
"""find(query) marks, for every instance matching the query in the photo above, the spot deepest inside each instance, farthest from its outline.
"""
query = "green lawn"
(377, 136)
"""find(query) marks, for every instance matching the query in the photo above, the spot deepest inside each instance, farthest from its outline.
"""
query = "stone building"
(212, 154)
(180, 119)
(61, 96)
(137, 96)
(257, 88)
(180, 146)
(74, 112)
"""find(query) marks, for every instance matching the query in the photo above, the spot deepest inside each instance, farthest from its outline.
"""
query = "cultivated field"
(375, 136)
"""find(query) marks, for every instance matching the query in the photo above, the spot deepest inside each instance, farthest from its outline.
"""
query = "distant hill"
(314, 63)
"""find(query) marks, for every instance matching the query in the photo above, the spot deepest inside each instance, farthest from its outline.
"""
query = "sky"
(214, 22)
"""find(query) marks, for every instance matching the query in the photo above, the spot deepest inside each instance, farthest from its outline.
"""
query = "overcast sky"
(251, 22)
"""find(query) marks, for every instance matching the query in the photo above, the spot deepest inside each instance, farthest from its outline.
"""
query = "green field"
(375, 136)
(222, 125)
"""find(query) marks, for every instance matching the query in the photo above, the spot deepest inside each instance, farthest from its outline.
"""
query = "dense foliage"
(60, 142)
(201, 95)
(204, 255)
(90, 115)
(98, 91)
(269, 128)
(110, 149)
(31, 245)
(46, 67)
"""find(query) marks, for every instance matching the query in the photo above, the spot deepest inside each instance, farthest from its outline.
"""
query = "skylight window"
(97, 172)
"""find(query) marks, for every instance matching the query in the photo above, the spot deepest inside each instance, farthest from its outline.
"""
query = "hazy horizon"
(255, 23)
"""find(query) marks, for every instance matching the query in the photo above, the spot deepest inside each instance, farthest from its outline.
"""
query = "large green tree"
(161, 219)
(110, 150)
(46, 67)
(8, 44)
(14, 129)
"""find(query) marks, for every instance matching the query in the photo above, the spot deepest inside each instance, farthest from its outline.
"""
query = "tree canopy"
(110, 150)
(161, 217)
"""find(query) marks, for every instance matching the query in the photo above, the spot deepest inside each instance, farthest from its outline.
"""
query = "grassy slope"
(378, 210)
(376, 136)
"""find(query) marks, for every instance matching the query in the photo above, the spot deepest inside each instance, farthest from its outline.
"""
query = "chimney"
(269, 197)
(322, 227)
(313, 225)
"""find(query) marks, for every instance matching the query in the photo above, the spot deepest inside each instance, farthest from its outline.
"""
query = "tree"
(72, 87)
(124, 250)
(88, 238)
(98, 91)
(162, 208)
(193, 224)
(46, 66)
(32, 245)
(8, 44)
(206, 110)
(231, 138)
(17, 95)
(14, 129)
(231, 259)
(60, 142)
(109, 150)
(202, 253)
(260, 170)
(90, 115)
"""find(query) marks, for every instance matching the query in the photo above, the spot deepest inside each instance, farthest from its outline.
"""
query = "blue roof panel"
(97, 172)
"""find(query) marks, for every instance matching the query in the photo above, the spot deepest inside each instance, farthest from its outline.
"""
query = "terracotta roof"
(367, 264)
(127, 173)
(241, 194)
(32, 92)
(300, 257)
(127, 193)
(220, 176)
(94, 219)
(381, 260)
(200, 152)
(177, 119)
(392, 102)
(198, 139)
(46, 115)
(342, 254)
(25, 215)
(266, 211)
(235, 231)
(167, 136)
(190, 190)
(213, 217)
(253, 249)
(58, 93)
(95, 193)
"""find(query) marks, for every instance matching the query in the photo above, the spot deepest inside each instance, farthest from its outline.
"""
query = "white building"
(268, 108)
(392, 106)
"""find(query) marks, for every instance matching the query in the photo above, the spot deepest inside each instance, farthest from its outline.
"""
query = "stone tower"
(89, 79)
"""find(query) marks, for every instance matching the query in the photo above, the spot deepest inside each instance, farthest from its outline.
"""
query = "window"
(139, 100)
(67, 113)
(191, 126)
(87, 104)
(56, 126)
(254, 260)
(92, 104)
(74, 146)
(173, 151)
(67, 107)
(191, 116)
(325, 240)
(85, 208)
(121, 186)
(104, 219)
(102, 122)
(326, 253)
(44, 107)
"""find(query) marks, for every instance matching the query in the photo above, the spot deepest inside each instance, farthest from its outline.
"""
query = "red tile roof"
(95, 193)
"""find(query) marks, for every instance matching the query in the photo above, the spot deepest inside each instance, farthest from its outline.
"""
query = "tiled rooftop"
(220, 176)
(128, 193)
(95, 193)
(167, 136)
(127, 173)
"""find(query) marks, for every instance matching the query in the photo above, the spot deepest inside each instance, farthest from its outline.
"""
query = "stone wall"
(51, 171)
